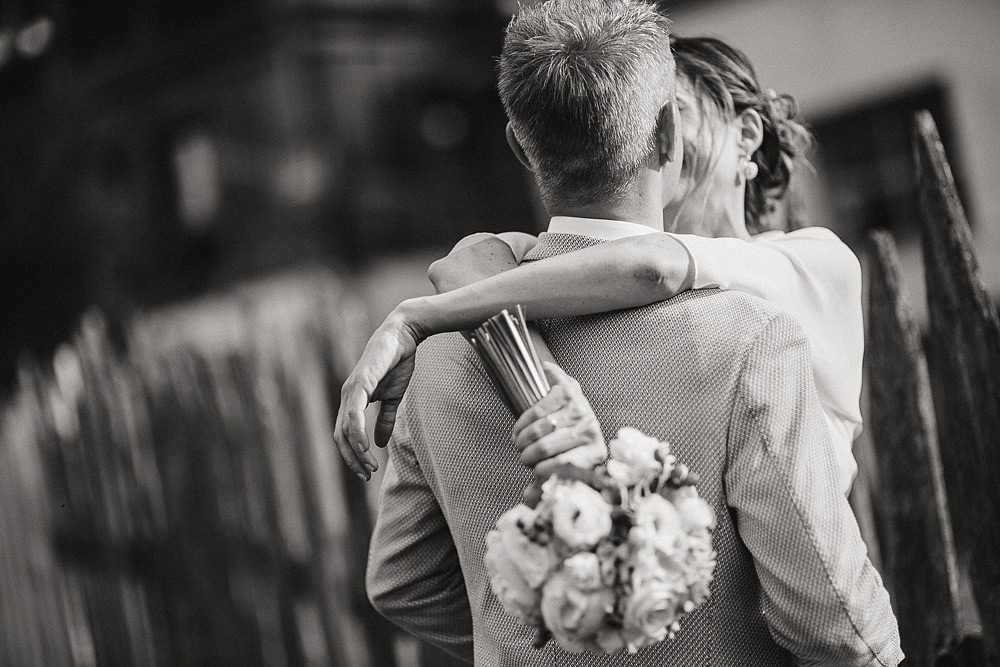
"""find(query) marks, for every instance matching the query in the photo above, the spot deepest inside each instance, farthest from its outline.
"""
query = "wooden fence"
(183, 503)
(936, 432)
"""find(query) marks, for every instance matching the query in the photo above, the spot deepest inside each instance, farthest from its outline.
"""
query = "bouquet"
(611, 557)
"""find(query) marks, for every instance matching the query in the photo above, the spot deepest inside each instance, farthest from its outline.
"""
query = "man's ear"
(751, 129)
(515, 146)
(668, 134)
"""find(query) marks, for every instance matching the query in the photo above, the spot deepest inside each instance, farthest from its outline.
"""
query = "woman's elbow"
(659, 275)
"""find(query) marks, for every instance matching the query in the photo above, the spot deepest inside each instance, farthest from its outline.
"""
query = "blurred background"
(206, 206)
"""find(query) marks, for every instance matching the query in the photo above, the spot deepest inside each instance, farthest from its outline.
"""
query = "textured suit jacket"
(726, 380)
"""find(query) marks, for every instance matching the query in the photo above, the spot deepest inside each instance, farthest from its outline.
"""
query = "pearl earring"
(749, 168)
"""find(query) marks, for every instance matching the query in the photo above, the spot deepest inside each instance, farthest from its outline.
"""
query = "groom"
(588, 87)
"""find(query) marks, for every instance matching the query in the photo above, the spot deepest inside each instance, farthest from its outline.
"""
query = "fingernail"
(364, 478)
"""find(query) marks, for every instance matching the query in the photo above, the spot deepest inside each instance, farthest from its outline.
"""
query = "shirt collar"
(607, 230)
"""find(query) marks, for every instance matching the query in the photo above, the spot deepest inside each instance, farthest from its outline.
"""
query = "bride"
(742, 145)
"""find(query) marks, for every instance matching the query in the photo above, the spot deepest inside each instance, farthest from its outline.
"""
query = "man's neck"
(639, 207)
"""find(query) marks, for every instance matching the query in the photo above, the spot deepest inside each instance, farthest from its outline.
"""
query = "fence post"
(965, 365)
(910, 502)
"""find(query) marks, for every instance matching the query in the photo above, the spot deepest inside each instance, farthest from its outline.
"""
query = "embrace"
(660, 302)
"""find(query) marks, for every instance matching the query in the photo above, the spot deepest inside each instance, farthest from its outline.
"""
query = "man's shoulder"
(447, 360)
(705, 314)
(709, 323)
(446, 345)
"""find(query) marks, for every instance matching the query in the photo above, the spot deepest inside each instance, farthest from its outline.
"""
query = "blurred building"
(154, 150)
(859, 68)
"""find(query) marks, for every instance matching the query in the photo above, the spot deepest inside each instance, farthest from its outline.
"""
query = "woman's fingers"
(555, 400)
(578, 431)
(569, 413)
(548, 446)
(565, 390)
(584, 456)
(559, 429)
(557, 376)
(349, 431)
(532, 493)
(382, 373)
(390, 392)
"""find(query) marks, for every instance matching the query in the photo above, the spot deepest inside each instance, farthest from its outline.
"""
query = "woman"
(741, 146)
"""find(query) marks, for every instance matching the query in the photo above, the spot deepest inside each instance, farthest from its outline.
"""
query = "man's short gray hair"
(583, 83)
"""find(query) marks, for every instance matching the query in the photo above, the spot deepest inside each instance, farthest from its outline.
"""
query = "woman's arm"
(474, 258)
(479, 281)
(383, 372)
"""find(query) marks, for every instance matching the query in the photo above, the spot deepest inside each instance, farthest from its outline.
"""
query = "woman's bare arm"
(386, 364)
(478, 281)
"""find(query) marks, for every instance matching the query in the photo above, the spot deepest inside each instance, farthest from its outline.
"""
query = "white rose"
(517, 566)
(645, 567)
(574, 603)
(650, 610)
(641, 537)
(611, 557)
(580, 515)
(610, 639)
(584, 569)
(675, 495)
(633, 457)
(660, 519)
(699, 566)
(535, 560)
(695, 514)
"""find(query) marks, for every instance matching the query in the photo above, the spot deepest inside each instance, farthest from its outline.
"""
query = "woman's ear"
(751, 130)
(668, 134)
(515, 146)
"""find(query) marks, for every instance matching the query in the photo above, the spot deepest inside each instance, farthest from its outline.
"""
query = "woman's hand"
(381, 374)
(474, 258)
(559, 429)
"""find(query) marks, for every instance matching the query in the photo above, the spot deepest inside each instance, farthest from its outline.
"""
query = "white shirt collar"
(607, 230)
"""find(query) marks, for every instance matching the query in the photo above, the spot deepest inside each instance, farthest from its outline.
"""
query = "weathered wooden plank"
(966, 364)
(201, 513)
(378, 633)
(909, 499)
(32, 631)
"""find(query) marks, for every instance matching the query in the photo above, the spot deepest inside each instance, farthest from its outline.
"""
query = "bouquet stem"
(505, 347)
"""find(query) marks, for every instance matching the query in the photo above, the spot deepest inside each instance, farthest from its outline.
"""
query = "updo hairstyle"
(724, 75)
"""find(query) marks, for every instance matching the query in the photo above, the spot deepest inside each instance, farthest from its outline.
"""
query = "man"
(588, 88)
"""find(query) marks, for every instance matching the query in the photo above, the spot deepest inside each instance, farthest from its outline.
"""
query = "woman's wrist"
(414, 316)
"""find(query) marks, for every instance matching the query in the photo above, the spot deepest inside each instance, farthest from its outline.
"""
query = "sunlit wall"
(837, 56)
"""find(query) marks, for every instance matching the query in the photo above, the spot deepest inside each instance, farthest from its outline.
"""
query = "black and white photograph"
(506, 333)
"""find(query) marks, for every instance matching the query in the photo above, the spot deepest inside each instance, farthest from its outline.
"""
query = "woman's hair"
(724, 76)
